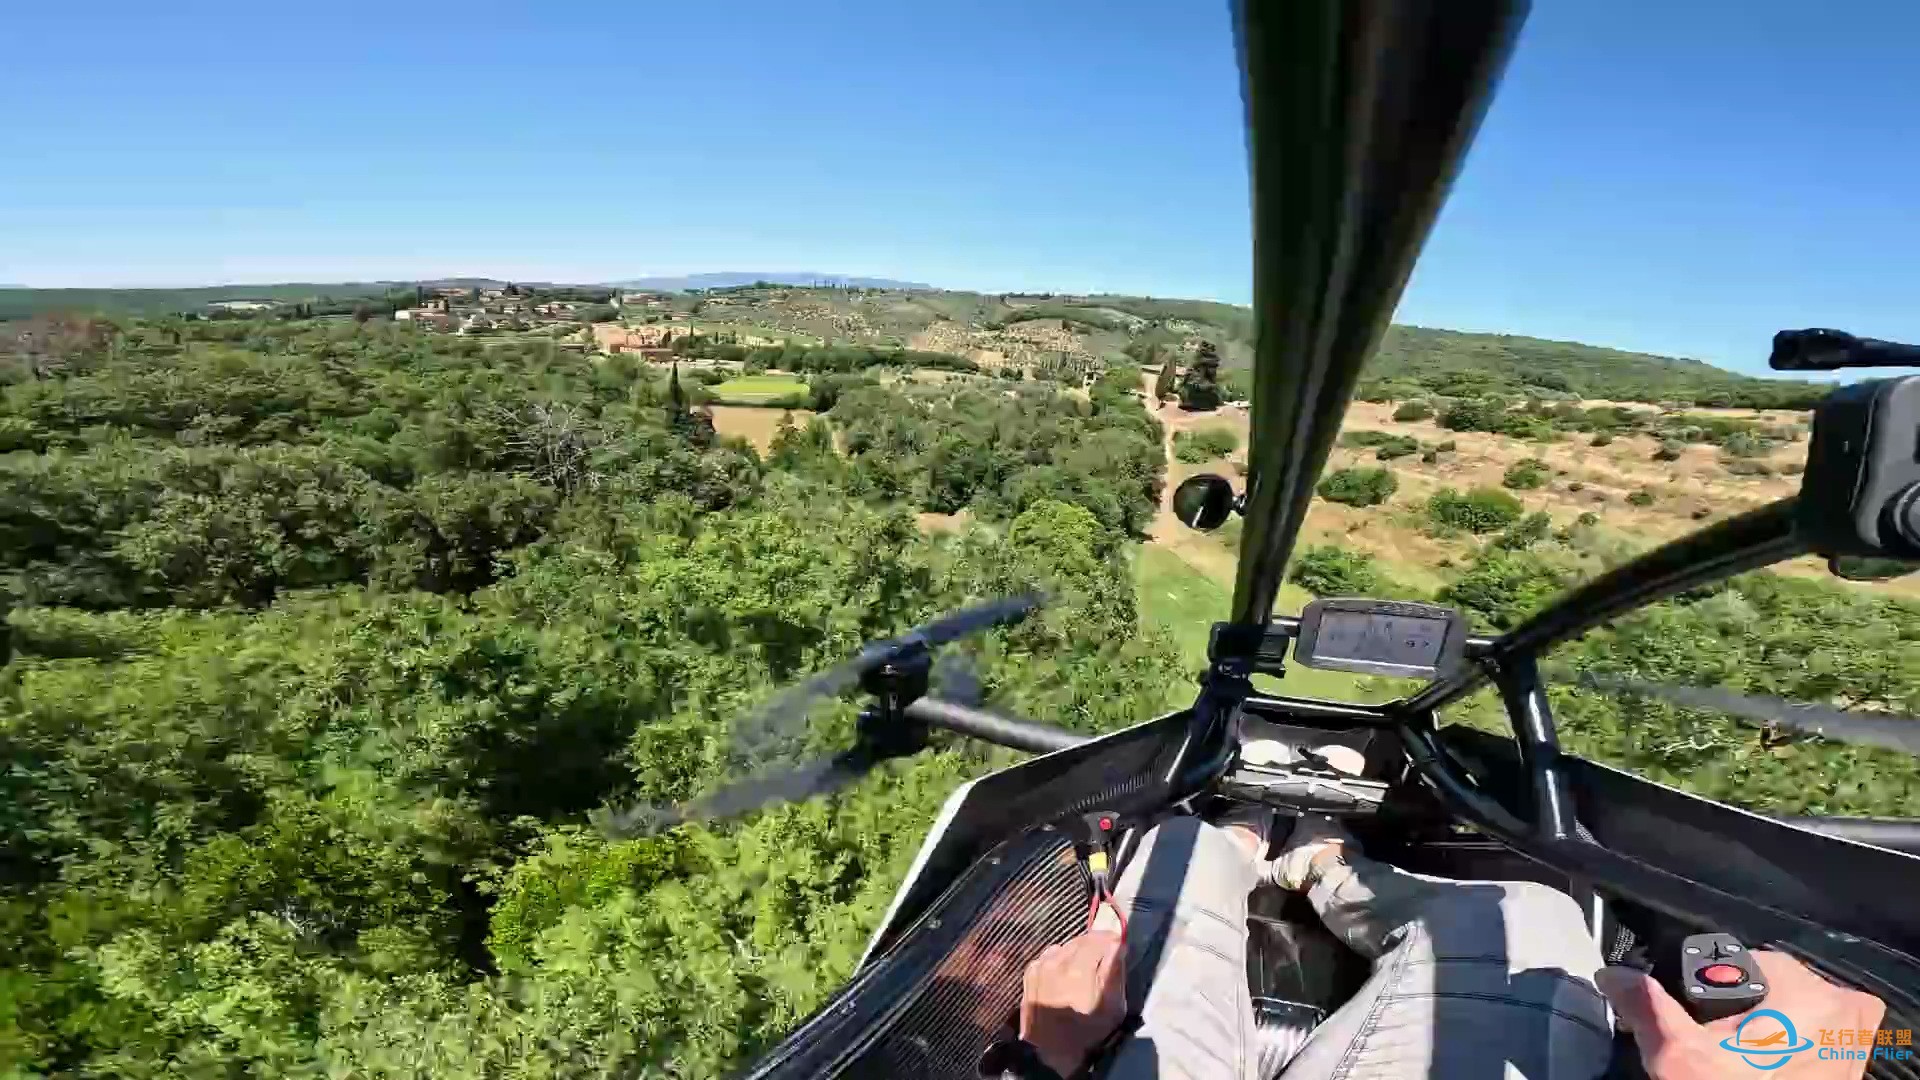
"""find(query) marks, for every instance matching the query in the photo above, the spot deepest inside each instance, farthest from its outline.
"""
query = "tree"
(1200, 391)
(1480, 510)
(1331, 570)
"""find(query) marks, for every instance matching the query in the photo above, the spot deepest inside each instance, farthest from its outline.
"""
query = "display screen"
(1379, 638)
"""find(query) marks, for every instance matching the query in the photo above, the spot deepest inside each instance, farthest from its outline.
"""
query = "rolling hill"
(729, 279)
(1070, 336)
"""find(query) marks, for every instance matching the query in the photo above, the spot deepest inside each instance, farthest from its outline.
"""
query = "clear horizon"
(1682, 193)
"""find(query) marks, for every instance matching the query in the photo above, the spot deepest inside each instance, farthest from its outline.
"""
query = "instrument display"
(1380, 637)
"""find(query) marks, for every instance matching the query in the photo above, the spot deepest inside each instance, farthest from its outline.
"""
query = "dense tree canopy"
(329, 646)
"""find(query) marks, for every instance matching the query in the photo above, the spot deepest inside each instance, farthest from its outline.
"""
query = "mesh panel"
(971, 998)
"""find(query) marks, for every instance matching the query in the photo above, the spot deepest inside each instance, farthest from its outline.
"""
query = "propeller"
(896, 671)
(786, 713)
(1893, 731)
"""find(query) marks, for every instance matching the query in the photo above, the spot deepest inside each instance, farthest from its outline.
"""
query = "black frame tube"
(1358, 117)
(1749, 541)
(993, 727)
(1525, 699)
(1891, 975)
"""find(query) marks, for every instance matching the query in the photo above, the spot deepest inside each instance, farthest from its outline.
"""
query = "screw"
(1695, 990)
(1733, 948)
(1693, 950)
(1757, 986)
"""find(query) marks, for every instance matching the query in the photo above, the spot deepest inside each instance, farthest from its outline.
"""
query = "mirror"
(1204, 502)
(1851, 567)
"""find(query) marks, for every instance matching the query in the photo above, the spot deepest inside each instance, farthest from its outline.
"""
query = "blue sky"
(1681, 178)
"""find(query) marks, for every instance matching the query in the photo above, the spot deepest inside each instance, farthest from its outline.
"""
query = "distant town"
(599, 318)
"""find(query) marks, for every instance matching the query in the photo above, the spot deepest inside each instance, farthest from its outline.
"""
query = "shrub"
(1359, 487)
(1643, 497)
(1525, 533)
(1669, 451)
(1481, 510)
(1396, 448)
(1700, 512)
(1368, 438)
(1205, 444)
(1526, 475)
(1588, 518)
(1504, 587)
(1474, 414)
(1604, 438)
(1449, 446)
(1430, 456)
(1530, 428)
(1414, 410)
(1745, 444)
(1748, 467)
(1576, 487)
(1331, 570)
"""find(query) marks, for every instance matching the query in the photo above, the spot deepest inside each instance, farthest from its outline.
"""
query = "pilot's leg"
(1185, 895)
(1470, 979)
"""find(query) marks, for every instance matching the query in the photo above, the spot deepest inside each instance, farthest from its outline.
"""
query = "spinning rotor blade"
(764, 732)
(783, 784)
(972, 620)
(957, 681)
(792, 783)
(1893, 731)
(786, 714)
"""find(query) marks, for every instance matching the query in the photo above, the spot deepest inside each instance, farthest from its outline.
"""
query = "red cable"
(1093, 910)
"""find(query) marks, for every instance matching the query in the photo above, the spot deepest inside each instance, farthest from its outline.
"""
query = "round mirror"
(1204, 501)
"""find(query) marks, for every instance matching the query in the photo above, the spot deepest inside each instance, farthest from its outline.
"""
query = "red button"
(1106, 823)
(1722, 975)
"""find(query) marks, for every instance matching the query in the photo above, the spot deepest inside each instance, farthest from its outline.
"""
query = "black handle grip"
(1816, 349)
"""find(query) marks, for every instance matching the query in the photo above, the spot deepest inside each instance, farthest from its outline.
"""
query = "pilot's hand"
(1074, 995)
(1673, 1046)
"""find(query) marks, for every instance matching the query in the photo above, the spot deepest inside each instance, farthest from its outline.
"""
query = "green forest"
(329, 644)
(325, 640)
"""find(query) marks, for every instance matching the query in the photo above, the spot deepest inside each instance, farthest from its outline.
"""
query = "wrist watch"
(1015, 1059)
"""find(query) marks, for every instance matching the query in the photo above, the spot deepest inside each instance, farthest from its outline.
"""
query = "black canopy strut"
(1359, 115)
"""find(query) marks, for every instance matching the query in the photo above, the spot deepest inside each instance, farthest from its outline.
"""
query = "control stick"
(1716, 977)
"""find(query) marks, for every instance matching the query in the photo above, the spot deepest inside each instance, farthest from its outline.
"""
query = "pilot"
(1470, 978)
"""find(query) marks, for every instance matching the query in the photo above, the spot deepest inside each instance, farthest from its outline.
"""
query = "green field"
(1186, 603)
(748, 389)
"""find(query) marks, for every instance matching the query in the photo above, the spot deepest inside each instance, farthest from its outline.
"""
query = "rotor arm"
(993, 727)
